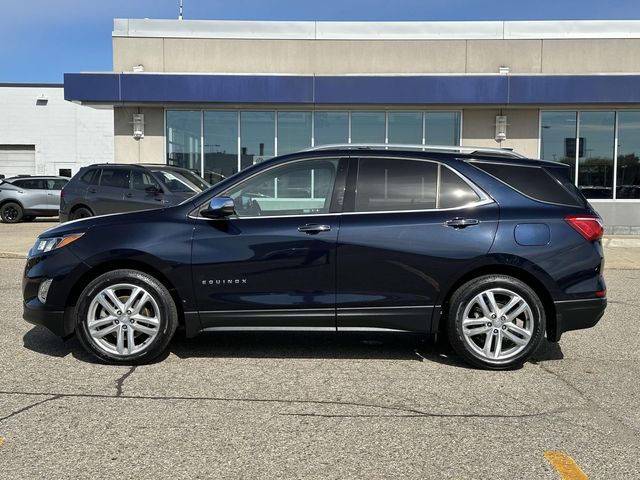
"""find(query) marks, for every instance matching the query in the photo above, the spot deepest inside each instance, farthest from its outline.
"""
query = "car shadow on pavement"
(356, 346)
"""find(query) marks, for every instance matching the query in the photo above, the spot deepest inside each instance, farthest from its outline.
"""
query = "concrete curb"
(12, 255)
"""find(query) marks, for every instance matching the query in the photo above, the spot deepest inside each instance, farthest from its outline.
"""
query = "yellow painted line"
(565, 466)
(1, 440)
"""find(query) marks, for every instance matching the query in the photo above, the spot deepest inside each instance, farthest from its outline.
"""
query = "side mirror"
(219, 207)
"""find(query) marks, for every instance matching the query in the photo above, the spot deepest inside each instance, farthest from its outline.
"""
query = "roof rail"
(503, 152)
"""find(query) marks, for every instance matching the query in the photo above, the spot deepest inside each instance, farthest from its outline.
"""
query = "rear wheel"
(11, 212)
(81, 212)
(495, 322)
(126, 317)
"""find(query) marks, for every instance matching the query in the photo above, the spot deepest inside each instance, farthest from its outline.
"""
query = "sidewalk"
(620, 251)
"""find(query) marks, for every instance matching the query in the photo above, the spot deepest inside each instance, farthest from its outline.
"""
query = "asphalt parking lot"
(319, 406)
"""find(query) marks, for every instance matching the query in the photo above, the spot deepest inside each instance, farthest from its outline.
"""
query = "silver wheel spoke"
(513, 315)
(493, 306)
(512, 303)
(102, 300)
(487, 343)
(105, 331)
(114, 299)
(513, 328)
(102, 321)
(497, 344)
(148, 320)
(131, 344)
(120, 341)
(141, 303)
(483, 305)
(142, 329)
(514, 338)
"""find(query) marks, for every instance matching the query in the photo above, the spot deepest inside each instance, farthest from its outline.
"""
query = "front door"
(273, 265)
(414, 225)
(145, 192)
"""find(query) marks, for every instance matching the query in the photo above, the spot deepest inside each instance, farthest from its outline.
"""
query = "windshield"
(182, 181)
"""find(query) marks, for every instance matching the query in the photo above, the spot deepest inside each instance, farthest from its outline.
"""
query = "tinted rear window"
(394, 184)
(533, 182)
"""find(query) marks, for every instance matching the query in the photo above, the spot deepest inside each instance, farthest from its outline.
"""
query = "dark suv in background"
(113, 188)
(492, 249)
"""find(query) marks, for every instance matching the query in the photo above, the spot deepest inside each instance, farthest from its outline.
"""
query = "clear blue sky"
(42, 39)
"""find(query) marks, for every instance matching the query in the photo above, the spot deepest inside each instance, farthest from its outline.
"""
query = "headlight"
(47, 244)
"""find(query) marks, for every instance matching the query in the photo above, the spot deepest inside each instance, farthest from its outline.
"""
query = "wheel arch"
(81, 205)
(11, 200)
(128, 264)
(513, 271)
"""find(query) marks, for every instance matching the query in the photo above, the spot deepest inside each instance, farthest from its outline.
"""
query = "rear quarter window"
(533, 181)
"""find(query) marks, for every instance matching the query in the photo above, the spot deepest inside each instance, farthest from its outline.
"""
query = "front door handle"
(128, 194)
(460, 222)
(92, 190)
(312, 228)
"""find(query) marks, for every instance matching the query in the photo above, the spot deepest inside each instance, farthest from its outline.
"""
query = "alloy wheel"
(10, 213)
(123, 319)
(497, 324)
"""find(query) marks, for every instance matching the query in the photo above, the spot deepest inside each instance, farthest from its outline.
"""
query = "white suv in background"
(23, 198)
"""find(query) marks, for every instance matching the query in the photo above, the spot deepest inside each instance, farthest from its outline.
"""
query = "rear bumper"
(576, 315)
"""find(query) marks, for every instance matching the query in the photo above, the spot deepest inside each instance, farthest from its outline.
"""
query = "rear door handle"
(460, 222)
(312, 228)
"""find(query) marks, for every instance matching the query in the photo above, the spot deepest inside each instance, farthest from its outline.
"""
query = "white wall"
(65, 135)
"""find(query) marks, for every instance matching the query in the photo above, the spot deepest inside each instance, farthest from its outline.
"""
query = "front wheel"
(126, 317)
(495, 322)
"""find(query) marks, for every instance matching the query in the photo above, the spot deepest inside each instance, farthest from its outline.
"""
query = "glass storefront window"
(257, 137)
(331, 127)
(367, 127)
(628, 179)
(442, 128)
(558, 138)
(405, 127)
(183, 139)
(595, 154)
(220, 145)
(294, 131)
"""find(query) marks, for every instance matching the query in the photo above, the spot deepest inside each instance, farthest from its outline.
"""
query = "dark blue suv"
(494, 249)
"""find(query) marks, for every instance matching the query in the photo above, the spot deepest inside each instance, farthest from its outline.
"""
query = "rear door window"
(531, 181)
(387, 184)
(115, 177)
(55, 184)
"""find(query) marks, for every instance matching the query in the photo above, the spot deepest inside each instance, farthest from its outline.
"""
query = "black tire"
(11, 212)
(81, 212)
(167, 315)
(29, 218)
(535, 322)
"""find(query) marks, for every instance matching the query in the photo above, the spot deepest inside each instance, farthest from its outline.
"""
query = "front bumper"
(576, 315)
(55, 320)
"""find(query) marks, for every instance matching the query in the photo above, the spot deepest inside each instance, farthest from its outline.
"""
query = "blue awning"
(141, 88)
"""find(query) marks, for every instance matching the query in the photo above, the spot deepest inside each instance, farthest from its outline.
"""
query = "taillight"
(589, 226)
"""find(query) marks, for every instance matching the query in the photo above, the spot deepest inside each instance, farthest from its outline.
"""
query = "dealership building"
(218, 96)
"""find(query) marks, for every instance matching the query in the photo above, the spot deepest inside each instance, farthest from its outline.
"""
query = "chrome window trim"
(485, 199)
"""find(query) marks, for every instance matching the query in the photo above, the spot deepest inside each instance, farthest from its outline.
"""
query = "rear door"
(54, 187)
(413, 226)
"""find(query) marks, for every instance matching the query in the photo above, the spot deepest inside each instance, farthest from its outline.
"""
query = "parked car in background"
(116, 188)
(25, 197)
(493, 250)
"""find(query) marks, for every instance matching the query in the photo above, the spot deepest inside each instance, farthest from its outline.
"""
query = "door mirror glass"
(219, 207)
